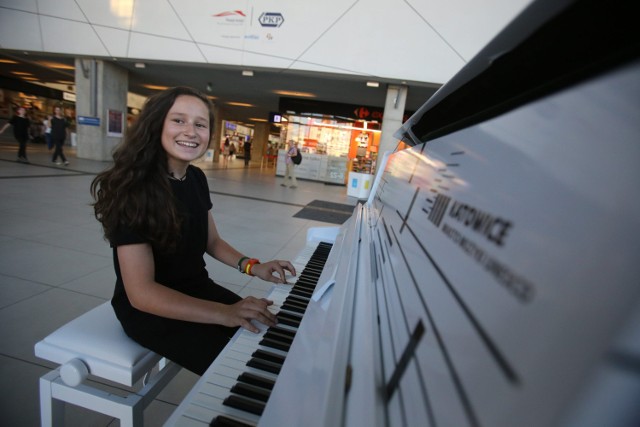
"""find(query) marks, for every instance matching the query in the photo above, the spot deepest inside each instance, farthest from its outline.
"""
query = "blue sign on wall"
(89, 121)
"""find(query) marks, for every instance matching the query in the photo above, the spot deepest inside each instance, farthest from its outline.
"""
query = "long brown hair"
(135, 192)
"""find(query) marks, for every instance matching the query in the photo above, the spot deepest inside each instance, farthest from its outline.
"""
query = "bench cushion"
(97, 338)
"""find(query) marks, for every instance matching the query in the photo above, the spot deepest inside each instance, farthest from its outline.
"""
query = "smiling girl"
(155, 210)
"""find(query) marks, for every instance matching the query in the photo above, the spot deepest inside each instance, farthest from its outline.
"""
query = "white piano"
(492, 278)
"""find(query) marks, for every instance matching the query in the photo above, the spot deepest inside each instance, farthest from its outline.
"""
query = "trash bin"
(359, 185)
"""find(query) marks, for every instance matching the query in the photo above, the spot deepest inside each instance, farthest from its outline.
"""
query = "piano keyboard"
(235, 389)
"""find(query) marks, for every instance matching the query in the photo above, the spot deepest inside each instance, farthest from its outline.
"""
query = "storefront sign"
(301, 106)
(352, 111)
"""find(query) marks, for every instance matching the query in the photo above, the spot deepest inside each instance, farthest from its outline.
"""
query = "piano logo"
(438, 209)
(490, 226)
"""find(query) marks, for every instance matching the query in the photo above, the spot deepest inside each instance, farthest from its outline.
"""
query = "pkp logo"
(271, 19)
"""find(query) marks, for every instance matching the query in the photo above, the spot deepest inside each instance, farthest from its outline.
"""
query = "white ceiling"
(329, 48)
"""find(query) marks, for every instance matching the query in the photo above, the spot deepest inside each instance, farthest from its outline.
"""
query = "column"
(260, 142)
(217, 132)
(392, 118)
(101, 108)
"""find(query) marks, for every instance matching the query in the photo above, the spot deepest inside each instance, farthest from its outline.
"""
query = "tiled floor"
(54, 264)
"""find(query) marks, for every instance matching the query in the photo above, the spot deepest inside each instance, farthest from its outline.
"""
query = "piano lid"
(552, 44)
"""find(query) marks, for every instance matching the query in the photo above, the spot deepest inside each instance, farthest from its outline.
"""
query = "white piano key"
(206, 414)
(222, 380)
(190, 422)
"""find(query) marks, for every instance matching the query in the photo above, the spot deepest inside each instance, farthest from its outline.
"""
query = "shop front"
(333, 146)
(39, 103)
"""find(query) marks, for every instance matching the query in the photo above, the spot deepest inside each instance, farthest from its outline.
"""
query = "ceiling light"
(247, 73)
(21, 73)
(156, 87)
(373, 84)
(294, 93)
(239, 104)
(56, 65)
(257, 120)
(7, 61)
(140, 65)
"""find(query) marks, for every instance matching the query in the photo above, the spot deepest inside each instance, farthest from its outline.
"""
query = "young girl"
(155, 210)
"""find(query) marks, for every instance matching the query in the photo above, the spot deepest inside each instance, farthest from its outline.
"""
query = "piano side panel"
(520, 312)
(363, 404)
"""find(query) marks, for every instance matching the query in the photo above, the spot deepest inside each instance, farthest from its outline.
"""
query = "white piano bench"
(95, 344)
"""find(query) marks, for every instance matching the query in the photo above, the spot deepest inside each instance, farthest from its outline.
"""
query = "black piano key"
(311, 272)
(304, 286)
(282, 331)
(301, 293)
(292, 307)
(301, 298)
(308, 291)
(295, 303)
(279, 345)
(267, 355)
(288, 323)
(306, 283)
(285, 339)
(298, 300)
(264, 365)
(244, 404)
(257, 380)
(251, 391)
(292, 316)
(222, 421)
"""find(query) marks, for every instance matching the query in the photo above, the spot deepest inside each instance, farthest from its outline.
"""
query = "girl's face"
(186, 131)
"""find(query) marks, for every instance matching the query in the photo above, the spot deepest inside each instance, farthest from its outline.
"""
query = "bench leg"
(129, 410)
(51, 409)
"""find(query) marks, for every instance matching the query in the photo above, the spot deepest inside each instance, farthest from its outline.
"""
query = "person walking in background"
(47, 131)
(156, 212)
(247, 152)
(291, 173)
(21, 125)
(226, 151)
(59, 127)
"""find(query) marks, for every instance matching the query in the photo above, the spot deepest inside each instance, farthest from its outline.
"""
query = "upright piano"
(492, 278)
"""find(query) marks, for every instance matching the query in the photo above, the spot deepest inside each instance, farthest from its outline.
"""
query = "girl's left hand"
(273, 271)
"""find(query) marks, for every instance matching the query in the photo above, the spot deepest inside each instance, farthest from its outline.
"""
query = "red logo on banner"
(230, 13)
(362, 112)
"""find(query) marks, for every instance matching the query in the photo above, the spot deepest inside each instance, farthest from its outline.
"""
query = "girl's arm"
(145, 294)
(219, 249)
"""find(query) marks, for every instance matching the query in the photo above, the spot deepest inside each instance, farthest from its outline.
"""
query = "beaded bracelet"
(249, 266)
(240, 261)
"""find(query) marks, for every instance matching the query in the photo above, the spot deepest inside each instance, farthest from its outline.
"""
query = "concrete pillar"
(260, 141)
(217, 132)
(392, 119)
(101, 96)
